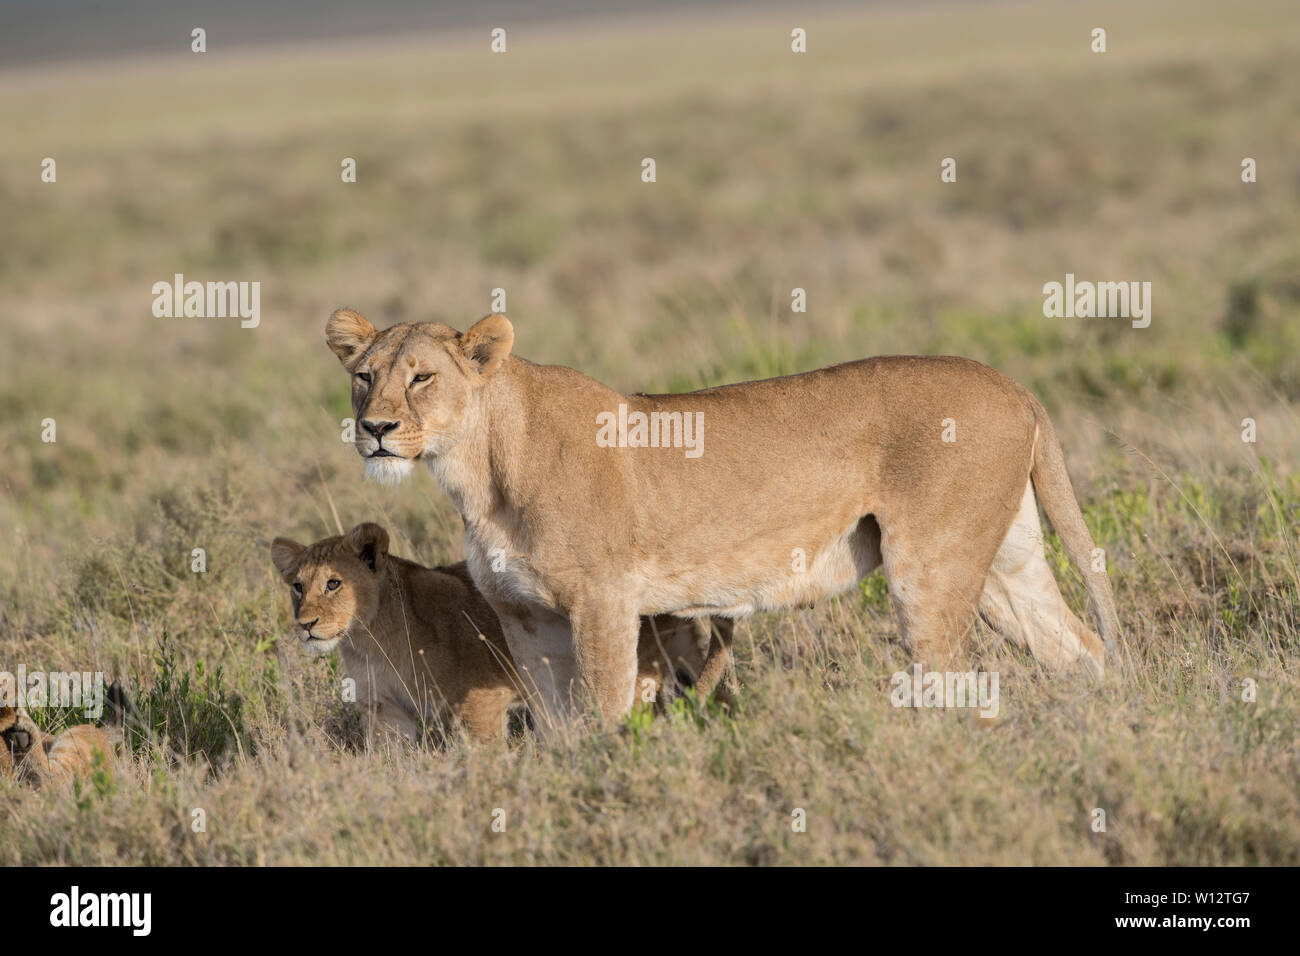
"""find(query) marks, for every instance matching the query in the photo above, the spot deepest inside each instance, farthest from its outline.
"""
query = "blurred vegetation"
(775, 171)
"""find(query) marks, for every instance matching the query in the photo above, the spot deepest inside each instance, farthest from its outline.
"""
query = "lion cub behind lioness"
(421, 642)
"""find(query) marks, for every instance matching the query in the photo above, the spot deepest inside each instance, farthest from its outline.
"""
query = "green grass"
(775, 172)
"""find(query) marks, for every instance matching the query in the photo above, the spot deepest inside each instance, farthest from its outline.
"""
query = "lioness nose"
(377, 428)
(308, 625)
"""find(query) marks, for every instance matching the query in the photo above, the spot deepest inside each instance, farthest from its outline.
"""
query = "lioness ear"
(370, 542)
(488, 343)
(348, 334)
(284, 555)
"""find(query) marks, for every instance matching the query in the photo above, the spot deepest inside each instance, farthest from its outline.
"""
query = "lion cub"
(422, 642)
(30, 755)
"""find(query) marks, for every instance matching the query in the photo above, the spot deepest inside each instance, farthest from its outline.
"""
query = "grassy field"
(775, 171)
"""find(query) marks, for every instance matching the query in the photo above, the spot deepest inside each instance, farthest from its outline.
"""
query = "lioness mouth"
(383, 453)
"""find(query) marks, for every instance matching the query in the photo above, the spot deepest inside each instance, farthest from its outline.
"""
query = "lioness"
(805, 484)
(29, 754)
(421, 642)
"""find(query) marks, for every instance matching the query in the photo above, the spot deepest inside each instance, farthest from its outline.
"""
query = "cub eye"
(422, 377)
(364, 376)
(332, 584)
(297, 588)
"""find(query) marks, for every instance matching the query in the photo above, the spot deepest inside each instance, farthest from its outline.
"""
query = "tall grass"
(775, 171)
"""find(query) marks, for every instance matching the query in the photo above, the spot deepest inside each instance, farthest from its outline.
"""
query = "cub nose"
(377, 428)
(308, 625)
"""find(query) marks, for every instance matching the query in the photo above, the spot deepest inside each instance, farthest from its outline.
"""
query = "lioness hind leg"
(935, 594)
(1022, 602)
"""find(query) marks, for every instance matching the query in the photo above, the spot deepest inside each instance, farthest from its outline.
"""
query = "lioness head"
(414, 385)
(335, 584)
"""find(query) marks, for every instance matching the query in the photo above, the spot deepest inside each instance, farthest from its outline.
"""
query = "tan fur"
(422, 644)
(42, 760)
(845, 465)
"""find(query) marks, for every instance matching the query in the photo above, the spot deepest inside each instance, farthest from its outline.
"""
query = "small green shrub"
(191, 713)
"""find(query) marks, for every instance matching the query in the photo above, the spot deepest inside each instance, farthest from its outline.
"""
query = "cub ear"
(348, 334)
(284, 555)
(370, 542)
(488, 343)
(117, 705)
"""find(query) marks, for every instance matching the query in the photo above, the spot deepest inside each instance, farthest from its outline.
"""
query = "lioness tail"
(1052, 484)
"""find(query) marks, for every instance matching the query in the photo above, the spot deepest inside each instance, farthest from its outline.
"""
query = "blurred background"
(522, 171)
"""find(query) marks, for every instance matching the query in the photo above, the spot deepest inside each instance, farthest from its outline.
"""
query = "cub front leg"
(485, 713)
(386, 723)
(605, 647)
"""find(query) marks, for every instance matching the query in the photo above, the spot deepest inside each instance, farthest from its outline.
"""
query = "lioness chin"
(931, 467)
(423, 645)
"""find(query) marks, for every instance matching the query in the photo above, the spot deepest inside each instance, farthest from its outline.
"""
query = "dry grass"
(775, 171)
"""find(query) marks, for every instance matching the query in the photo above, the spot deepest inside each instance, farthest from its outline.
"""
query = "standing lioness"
(789, 490)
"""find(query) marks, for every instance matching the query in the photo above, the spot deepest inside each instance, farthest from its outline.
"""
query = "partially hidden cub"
(421, 643)
(32, 756)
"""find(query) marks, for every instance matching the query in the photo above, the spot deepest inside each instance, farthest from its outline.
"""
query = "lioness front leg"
(605, 645)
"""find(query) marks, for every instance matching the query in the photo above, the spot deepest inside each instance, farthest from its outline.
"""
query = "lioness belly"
(737, 587)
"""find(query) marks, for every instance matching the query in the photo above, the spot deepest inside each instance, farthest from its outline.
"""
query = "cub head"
(414, 385)
(335, 584)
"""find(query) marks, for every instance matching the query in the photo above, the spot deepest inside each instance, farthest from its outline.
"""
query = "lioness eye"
(422, 377)
(297, 588)
(364, 376)
(332, 584)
